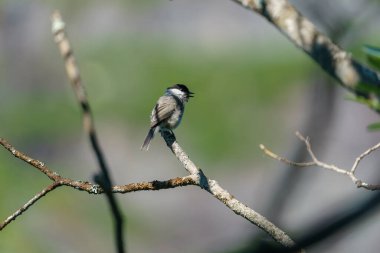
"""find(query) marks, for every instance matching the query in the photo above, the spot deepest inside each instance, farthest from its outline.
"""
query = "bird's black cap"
(183, 88)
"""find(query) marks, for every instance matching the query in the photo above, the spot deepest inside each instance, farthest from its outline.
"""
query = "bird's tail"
(147, 140)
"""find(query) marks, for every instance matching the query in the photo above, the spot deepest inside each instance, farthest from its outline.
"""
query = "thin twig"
(224, 196)
(365, 153)
(72, 71)
(34, 162)
(283, 159)
(28, 204)
(315, 161)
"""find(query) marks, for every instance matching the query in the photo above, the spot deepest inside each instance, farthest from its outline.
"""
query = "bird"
(168, 111)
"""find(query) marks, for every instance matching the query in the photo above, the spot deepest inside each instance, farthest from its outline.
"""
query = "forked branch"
(91, 188)
(316, 162)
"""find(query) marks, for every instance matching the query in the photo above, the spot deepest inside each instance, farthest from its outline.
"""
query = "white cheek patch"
(177, 92)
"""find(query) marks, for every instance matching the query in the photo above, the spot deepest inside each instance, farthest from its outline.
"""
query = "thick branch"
(224, 196)
(333, 59)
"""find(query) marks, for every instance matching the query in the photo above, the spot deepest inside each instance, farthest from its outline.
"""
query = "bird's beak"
(191, 94)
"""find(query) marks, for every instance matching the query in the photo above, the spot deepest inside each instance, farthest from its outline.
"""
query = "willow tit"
(168, 111)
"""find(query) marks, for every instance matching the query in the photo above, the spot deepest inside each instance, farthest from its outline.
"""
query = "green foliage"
(373, 55)
(371, 93)
(372, 101)
(374, 126)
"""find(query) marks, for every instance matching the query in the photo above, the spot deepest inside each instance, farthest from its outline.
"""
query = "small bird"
(168, 111)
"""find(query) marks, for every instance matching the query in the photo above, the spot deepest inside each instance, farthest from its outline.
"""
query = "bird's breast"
(175, 118)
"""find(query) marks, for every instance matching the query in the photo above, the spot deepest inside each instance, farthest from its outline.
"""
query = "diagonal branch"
(316, 162)
(224, 196)
(334, 60)
(28, 204)
(363, 155)
(34, 162)
(72, 71)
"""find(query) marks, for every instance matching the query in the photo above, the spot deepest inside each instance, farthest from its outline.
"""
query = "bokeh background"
(252, 86)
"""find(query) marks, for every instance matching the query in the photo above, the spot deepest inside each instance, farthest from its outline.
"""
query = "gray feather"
(163, 110)
(147, 140)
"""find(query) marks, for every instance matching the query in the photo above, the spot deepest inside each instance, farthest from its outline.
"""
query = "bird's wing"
(163, 110)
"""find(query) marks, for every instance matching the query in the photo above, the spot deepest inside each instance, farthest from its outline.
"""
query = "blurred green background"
(249, 85)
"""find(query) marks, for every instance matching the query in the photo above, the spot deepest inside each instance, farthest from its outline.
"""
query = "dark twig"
(337, 221)
(320, 105)
(103, 178)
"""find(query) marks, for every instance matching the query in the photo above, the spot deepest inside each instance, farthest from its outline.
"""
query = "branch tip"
(350, 173)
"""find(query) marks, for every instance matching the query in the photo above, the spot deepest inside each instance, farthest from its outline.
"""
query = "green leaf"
(370, 102)
(373, 55)
(374, 126)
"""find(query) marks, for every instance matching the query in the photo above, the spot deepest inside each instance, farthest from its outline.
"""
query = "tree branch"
(224, 196)
(91, 188)
(72, 71)
(338, 63)
(316, 162)
(196, 177)
(28, 204)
